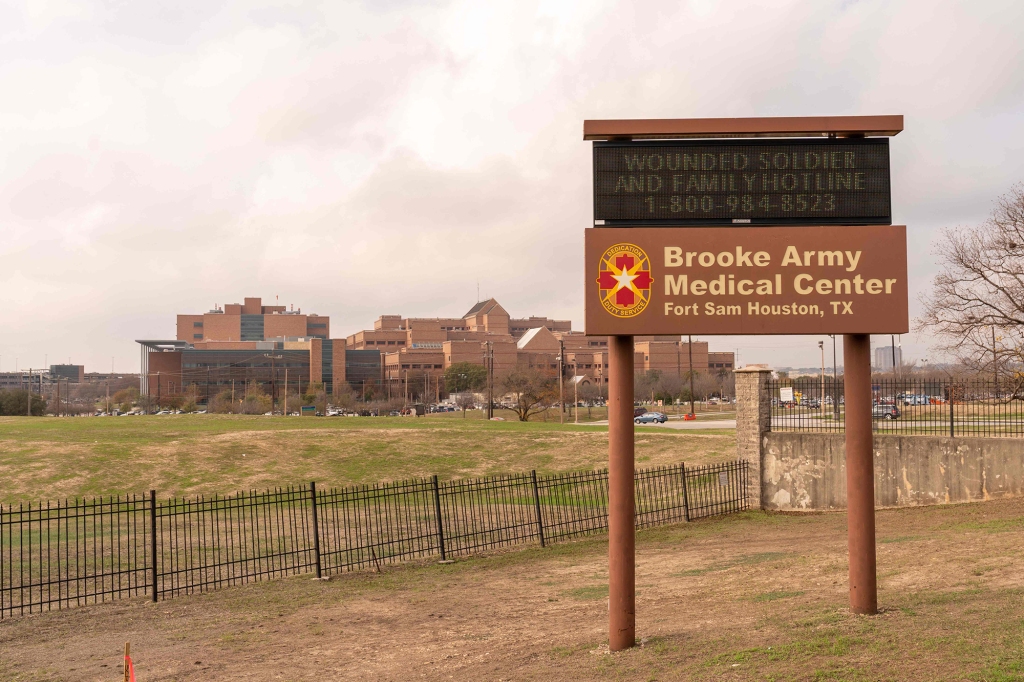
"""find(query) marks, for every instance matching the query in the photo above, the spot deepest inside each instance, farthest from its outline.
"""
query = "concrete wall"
(808, 470)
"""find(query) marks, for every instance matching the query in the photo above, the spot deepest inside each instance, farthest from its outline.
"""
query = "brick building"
(236, 344)
(239, 344)
(416, 351)
(251, 321)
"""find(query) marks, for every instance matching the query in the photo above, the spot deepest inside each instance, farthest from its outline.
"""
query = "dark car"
(637, 411)
(885, 412)
(648, 417)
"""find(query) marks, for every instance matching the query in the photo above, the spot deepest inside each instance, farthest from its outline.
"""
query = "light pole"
(689, 348)
(561, 373)
(821, 347)
(835, 381)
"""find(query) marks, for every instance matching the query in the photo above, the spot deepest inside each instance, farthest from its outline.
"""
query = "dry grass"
(191, 454)
(748, 597)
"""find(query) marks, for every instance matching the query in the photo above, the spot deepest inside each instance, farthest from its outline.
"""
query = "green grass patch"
(778, 594)
(588, 593)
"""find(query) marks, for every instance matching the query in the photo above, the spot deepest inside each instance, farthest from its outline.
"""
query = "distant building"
(19, 381)
(416, 351)
(73, 373)
(884, 357)
(239, 344)
(251, 321)
(242, 344)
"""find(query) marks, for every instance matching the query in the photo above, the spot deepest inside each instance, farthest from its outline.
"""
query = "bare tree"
(531, 391)
(465, 401)
(976, 306)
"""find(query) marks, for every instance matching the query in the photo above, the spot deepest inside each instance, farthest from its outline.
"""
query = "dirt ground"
(749, 596)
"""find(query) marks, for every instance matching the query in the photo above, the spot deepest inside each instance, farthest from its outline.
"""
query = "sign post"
(621, 525)
(860, 474)
(695, 234)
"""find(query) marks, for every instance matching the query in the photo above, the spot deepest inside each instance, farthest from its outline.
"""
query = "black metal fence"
(921, 407)
(55, 555)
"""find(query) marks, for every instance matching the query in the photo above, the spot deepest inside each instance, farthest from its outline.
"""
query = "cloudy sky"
(356, 159)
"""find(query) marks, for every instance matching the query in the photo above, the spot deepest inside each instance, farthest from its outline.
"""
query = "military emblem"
(625, 280)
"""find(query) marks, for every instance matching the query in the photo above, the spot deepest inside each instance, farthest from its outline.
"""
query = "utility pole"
(286, 391)
(273, 378)
(29, 392)
(689, 347)
(561, 373)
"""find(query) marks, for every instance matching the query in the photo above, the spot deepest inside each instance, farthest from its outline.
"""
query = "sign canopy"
(714, 182)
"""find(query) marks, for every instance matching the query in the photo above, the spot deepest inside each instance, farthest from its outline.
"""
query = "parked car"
(885, 412)
(637, 411)
(648, 417)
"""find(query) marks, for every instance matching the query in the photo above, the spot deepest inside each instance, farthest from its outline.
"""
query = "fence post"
(951, 431)
(536, 503)
(316, 528)
(686, 496)
(152, 539)
(437, 513)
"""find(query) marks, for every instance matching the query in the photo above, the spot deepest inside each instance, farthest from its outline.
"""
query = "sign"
(778, 182)
(786, 394)
(307, 411)
(746, 280)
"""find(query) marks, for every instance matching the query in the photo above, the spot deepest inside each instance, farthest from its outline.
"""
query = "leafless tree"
(976, 305)
(531, 391)
(465, 401)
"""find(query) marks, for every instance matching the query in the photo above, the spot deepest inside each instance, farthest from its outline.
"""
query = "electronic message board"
(747, 280)
(715, 182)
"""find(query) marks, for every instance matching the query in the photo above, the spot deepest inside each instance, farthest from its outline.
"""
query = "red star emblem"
(624, 279)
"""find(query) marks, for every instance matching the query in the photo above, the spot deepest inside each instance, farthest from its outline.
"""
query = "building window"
(197, 324)
(403, 367)
(194, 336)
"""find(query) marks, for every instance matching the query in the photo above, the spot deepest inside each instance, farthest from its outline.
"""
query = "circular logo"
(625, 280)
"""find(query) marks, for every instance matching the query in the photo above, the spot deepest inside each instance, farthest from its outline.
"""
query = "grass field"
(752, 596)
(50, 458)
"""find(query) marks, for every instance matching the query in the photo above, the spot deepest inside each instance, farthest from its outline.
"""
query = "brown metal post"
(860, 474)
(621, 524)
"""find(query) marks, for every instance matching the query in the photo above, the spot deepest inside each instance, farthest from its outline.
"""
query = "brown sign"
(747, 280)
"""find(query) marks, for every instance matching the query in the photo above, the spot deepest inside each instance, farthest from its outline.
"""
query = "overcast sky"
(356, 159)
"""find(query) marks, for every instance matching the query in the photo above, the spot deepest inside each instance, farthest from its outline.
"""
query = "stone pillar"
(753, 421)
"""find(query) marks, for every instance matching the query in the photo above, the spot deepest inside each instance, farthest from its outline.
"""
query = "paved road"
(685, 425)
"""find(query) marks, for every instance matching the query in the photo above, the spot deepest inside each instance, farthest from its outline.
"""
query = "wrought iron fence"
(902, 406)
(55, 555)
